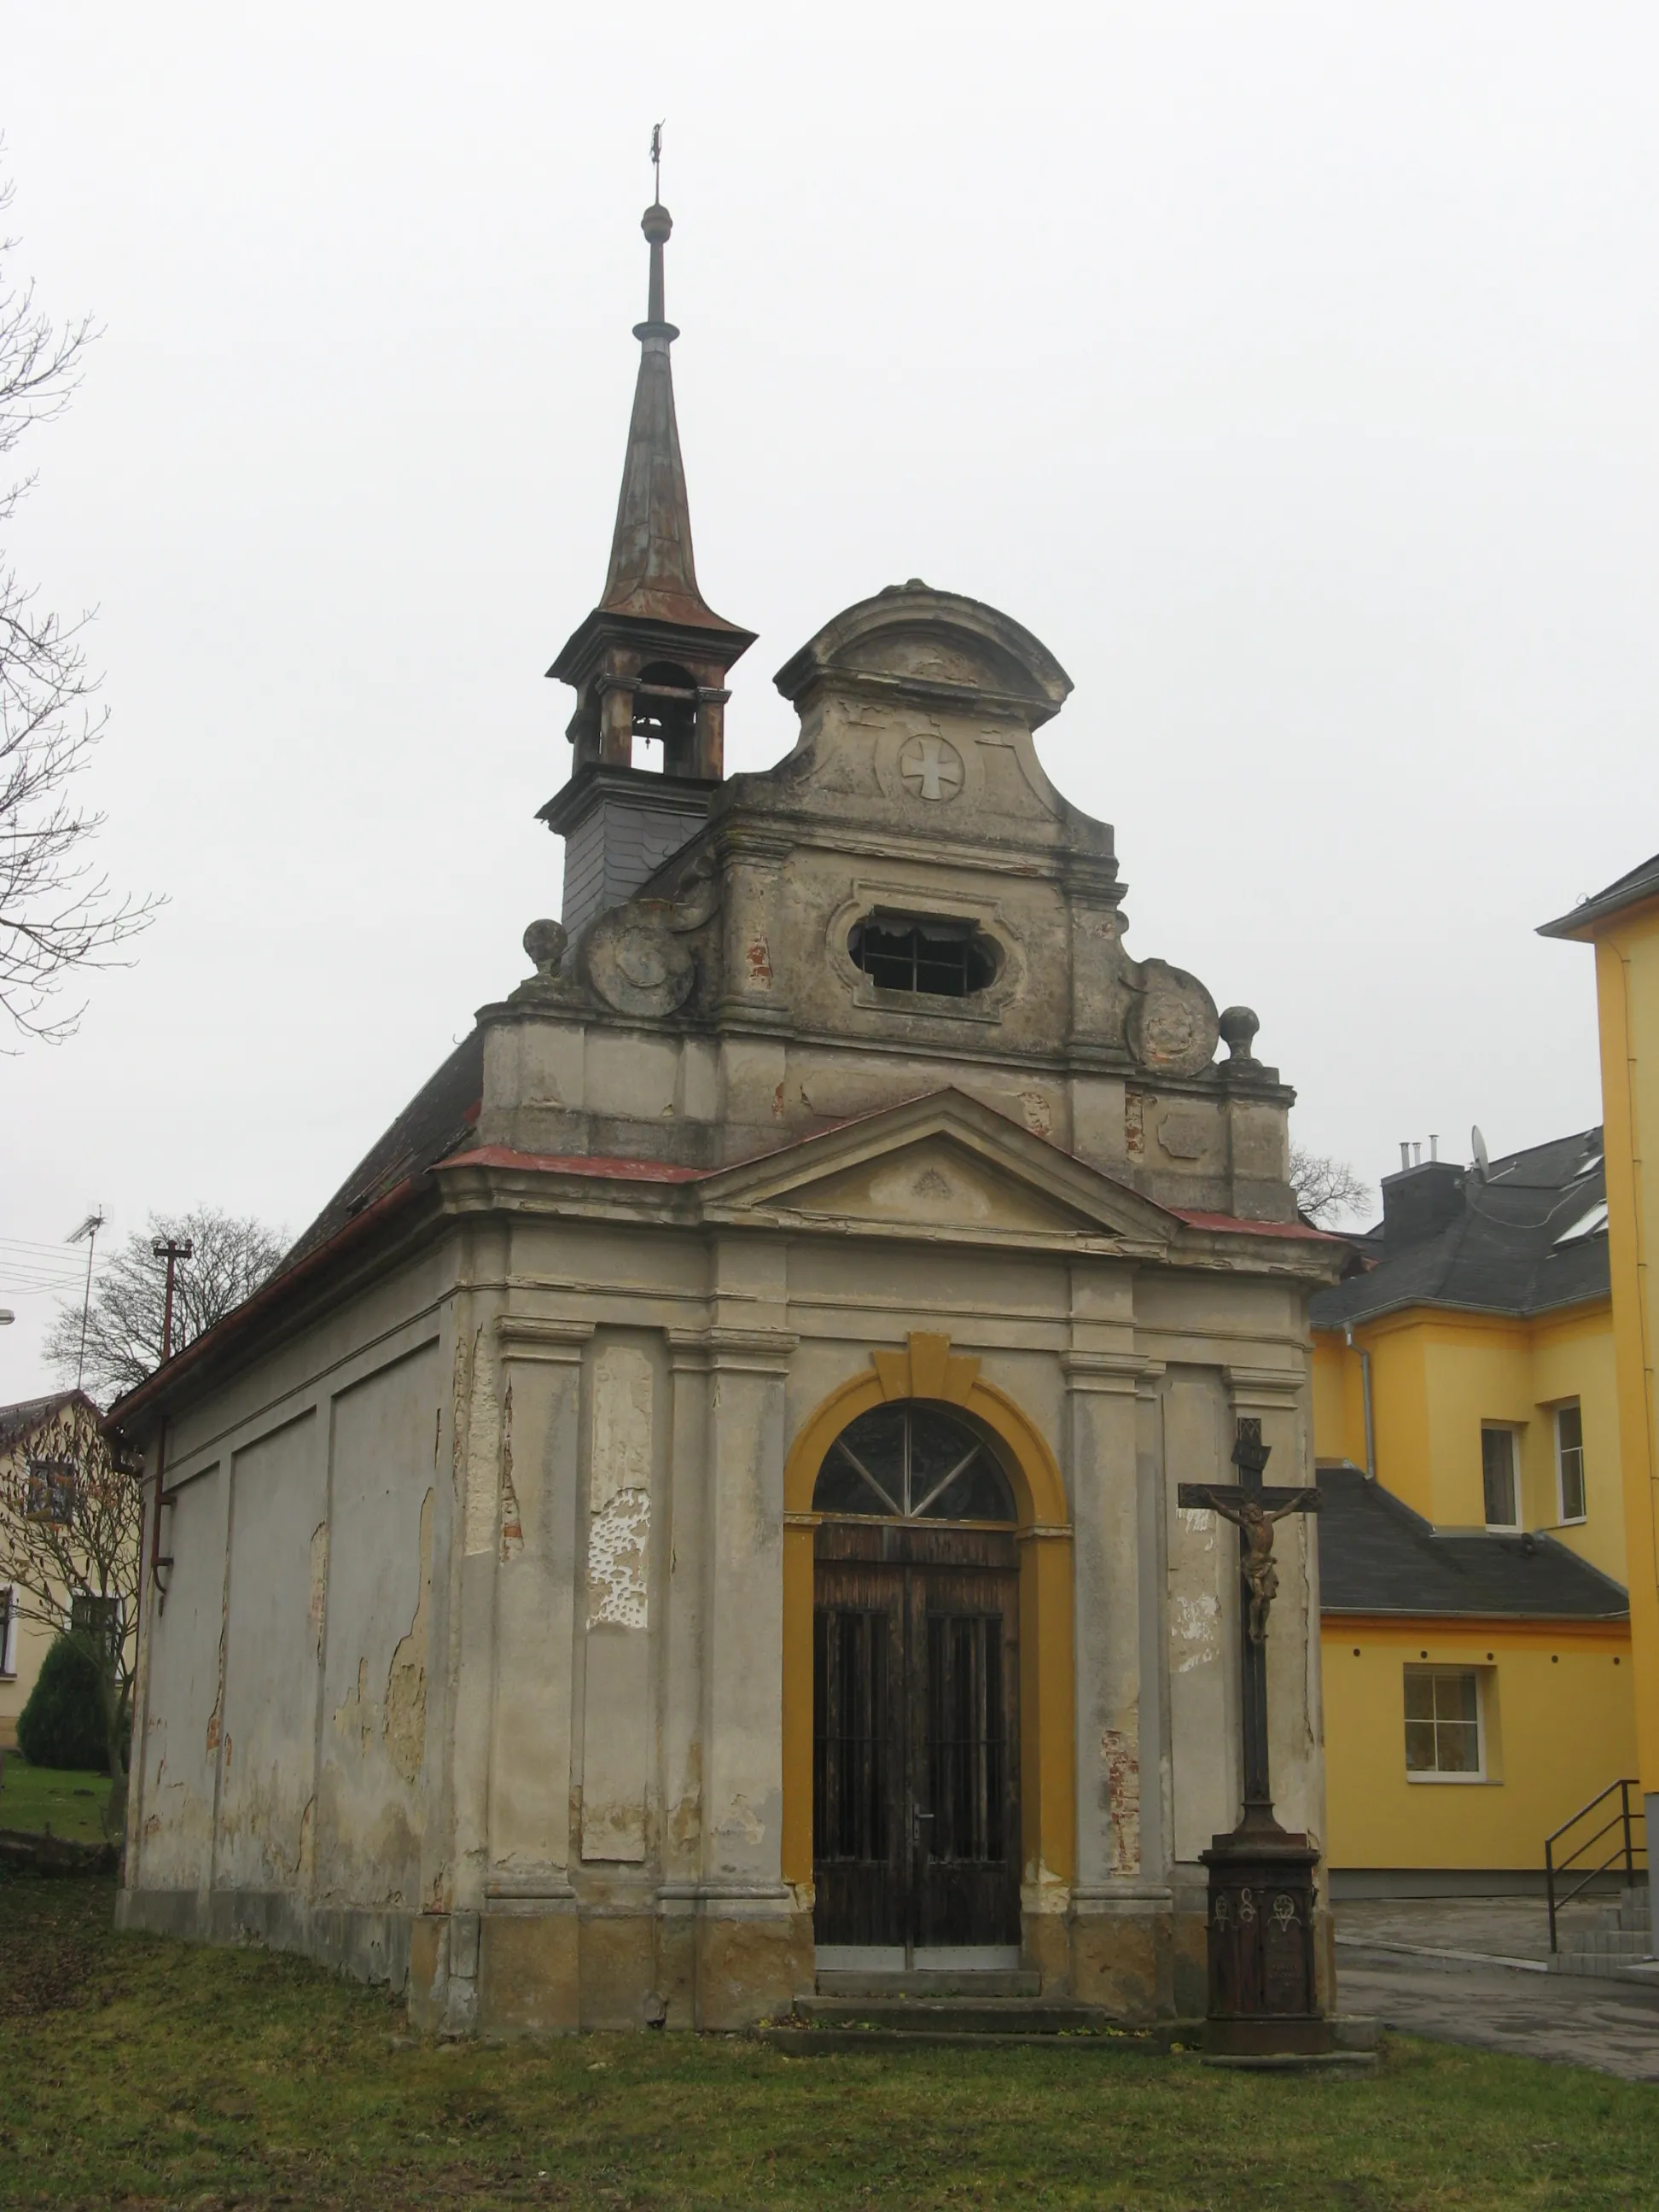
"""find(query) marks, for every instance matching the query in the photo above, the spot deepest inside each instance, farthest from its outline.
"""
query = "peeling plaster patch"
(742, 1820)
(217, 1717)
(1197, 1520)
(616, 1543)
(1120, 1753)
(1197, 1637)
(1038, 1113)
(404, 1724)
(318, 1582)
(1135, 1124)
(759, 958)
(482, 1461)
(511, 1526)
(356, 1713)
(621, 1425)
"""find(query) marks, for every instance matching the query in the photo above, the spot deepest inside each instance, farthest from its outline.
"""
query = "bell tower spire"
(651, 660)
(649, 663)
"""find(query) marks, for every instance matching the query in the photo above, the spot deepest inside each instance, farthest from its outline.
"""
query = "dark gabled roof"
(29, 1413)
(440, 1117)
(1500, 1246)
(1641, 882)
(1376, 1555)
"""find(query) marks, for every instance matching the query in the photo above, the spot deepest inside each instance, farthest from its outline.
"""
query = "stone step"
(816, 2042)
(1619, 1942)
(958, 2015)
(975, 1983)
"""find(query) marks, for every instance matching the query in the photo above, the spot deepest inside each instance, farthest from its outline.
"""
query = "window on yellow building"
(1497, 1475)
(1570, 1460)
(1442, 1724)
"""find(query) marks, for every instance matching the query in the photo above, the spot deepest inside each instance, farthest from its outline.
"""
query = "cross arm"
(1218, 1496)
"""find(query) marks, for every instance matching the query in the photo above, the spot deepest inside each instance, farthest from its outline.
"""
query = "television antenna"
(1482, 1163)
(88, 1229)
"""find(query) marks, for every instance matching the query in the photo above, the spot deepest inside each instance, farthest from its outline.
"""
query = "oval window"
(912, 1462)
(941, 958)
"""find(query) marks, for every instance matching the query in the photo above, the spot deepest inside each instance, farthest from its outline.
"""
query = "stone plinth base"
(1262, 1950)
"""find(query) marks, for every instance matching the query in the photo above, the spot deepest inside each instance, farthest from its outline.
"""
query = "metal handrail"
(1625, 1850)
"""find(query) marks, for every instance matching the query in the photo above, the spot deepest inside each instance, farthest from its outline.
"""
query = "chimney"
(1419, 1202)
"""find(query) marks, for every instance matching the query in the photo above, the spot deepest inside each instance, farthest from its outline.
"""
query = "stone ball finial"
(544, 941)
(1238, 1026)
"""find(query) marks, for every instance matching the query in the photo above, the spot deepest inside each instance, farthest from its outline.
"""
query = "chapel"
(697, 1514)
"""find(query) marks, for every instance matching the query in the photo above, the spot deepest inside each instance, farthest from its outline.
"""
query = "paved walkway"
(1613, 2026)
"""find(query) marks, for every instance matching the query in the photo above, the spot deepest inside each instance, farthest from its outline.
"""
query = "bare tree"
(71, 1518)
(56, 915)
(1326, 1188)
(233, 1256)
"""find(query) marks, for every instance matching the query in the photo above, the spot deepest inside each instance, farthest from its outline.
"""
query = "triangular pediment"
(944, 1164)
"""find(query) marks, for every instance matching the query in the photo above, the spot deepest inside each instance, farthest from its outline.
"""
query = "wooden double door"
(915, 1736)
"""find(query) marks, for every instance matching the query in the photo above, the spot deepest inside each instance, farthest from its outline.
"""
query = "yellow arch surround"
(927, 1368)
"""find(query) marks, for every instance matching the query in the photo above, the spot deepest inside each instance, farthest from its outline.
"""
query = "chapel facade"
(697, 1511)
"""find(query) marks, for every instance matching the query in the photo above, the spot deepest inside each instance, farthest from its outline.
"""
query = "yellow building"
(1622, 922)
(44, 1443)
(1476, 1634)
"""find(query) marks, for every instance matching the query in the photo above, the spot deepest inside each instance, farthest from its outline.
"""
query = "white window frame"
(9, 1633)
(1502, 1429)
(1433, 1775)
(1570, 1520)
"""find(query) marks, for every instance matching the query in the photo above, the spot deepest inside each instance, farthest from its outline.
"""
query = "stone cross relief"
(931, 768)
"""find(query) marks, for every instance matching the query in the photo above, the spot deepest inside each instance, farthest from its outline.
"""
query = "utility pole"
(89, 1229)
(172, 1249)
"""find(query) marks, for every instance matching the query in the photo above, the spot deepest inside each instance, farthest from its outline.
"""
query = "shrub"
(62, 1723)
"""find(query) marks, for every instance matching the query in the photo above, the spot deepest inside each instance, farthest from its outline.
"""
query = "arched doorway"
(916, 1827)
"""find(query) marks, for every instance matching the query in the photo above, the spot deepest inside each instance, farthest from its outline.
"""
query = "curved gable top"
(936, 644)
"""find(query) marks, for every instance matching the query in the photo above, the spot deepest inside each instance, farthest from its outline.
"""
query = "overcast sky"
(1289, 369)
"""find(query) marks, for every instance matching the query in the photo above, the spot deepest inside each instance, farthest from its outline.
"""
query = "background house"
(1475, 1625)
(43, 1442)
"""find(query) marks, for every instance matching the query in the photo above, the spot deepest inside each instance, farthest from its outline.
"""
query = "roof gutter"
(264, 1300)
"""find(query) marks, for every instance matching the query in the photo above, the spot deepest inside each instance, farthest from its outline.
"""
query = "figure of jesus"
(1254, 1524)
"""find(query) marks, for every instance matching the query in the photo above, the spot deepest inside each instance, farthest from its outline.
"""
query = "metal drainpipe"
(1365, 1386)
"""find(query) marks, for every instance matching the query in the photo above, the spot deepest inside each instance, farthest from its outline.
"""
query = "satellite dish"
(1482, 1165)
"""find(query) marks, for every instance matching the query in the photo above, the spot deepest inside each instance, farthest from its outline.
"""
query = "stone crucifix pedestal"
(1263, 1992)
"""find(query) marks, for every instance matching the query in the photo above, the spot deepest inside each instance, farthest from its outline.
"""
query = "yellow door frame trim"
(927, 1368)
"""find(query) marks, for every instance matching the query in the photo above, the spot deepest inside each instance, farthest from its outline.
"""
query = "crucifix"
(1263, 1971)
(1253, 1507)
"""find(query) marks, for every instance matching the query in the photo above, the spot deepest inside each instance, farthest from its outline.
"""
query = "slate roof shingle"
(1502, 1249)
(1376, 1555)
(439, 1117)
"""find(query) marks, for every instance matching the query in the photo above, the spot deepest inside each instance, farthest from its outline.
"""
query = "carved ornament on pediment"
(634, 960)
(1173, 1027)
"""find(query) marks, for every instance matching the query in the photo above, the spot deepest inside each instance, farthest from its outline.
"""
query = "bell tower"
(649, 665)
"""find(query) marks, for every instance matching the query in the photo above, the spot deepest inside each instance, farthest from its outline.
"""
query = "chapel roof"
(1376, 1555)
(437, 1119)
(1527, 1236)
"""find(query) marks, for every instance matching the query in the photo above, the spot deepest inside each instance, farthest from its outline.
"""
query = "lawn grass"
(142, 2073)
(34, 1798)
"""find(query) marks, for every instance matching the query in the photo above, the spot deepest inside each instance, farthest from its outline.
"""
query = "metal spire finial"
(656, 163)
